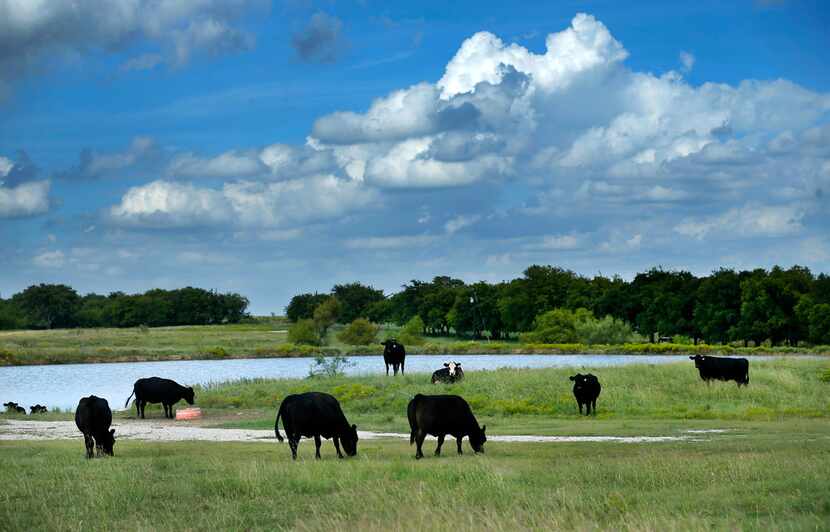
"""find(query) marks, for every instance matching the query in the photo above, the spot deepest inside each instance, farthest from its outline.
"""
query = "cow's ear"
(572, 377)
(354, 428)
(446, 364)
(483, 428)
(112, 431)
(691, 358)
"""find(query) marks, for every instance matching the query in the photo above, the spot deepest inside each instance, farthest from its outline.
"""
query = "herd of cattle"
(14, 408)
(319, 415)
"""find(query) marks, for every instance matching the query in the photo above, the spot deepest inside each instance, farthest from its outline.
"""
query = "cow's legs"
(458, 440)
(317, 444)
(419, 441)
(587, 408)
(395, 369)
(293, 442)
(580, 407)
(337, 446)
(143, 404)
(137, 407)
(440, 443)
(402, 367)
(88, 443)
(594, 404)
(387, 370)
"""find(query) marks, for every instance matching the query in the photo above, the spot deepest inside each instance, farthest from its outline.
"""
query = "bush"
(359, 332)
(304, 332)
(608, 330)
(413, 332)
(557, 326)
(329, 367)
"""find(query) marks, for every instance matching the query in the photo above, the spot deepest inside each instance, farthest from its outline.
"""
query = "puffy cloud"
(460, 222)
(27, 199)
(21, 194)
(245, 203)
(32, 32)
(142, 151)
(749, 220)
(232, 164)
(687, 61)
(321, 41)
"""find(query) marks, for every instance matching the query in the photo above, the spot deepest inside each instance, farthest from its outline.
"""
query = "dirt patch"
(158, 430)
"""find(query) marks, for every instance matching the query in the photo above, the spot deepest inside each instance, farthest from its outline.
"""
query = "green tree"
(302, 306)
(359, 332)
(325, 315)
(355, 300)
(48, 306)
(557, 326)
(413, 332)
(718, 306)
(304, 332)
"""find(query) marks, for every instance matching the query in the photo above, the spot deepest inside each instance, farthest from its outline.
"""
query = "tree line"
(52, 306)
(779, 306)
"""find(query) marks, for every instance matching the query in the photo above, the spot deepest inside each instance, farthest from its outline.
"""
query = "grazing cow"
(394, 354)
(722, 369)
(450, 373)
(37, 409)
(440, 415)
(14, 408)
(158, 390)
(315, 414)
(586, 391)
(93, 418)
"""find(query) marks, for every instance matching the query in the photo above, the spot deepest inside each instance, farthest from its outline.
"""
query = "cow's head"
(189, 395)
(698, 360)
(349, 440)
(453, 367)
(477, 439)
(106, 442)
(389, 342)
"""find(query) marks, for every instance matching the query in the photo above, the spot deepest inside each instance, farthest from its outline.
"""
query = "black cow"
(440, 415)
(315, 414)
(14, 408)
(394, 354)
(158, 390)
(37, 409)
(586, 391)
(450, 373)
(93, 418)
(722, 369)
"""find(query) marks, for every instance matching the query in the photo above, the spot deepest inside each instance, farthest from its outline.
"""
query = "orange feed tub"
(189, 413)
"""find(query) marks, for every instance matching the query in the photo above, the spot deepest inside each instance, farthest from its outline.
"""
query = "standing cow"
(93, 418)
(722, 369)
(394, 354)
(586, 391)
(14, 408)
(440, 415)
(450, 373)
(315, 414)
(158, 390)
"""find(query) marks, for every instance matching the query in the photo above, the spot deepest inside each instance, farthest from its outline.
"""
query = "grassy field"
(267, 338)
(773, 476)
(756, 458)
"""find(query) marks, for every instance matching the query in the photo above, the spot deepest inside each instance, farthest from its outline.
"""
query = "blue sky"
(277, 147)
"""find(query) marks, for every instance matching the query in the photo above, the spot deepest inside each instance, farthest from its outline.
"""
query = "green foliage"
(325, 315)
(329, 366)
(216, 352)
(301, 307)
(304, 332)
(359, 332)
(355, 300)
(553, 327)
(413, 332)
(608, 330)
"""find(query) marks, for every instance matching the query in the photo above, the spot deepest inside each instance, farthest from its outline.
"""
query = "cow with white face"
(450, 373)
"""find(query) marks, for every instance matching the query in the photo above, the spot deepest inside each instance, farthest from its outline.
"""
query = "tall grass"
(778, 388)
(762, 482)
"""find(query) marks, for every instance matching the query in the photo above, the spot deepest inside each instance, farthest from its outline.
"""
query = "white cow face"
(452, 366)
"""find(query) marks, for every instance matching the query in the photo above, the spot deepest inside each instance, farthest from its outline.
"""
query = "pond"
(63, 385)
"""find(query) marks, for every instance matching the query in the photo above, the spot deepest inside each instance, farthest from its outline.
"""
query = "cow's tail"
(410, 413)
(128, 399)
(277, 425)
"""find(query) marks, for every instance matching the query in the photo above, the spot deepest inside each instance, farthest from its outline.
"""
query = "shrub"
(413, 332)
(304, 332)
(557, 326)
(359, 332)
(608, 330)
(216, 352)
(329, 367)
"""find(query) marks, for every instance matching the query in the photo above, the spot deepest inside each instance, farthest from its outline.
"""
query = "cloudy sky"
(271, 148)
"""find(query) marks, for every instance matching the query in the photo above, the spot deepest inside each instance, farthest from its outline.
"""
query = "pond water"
(63, 385)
